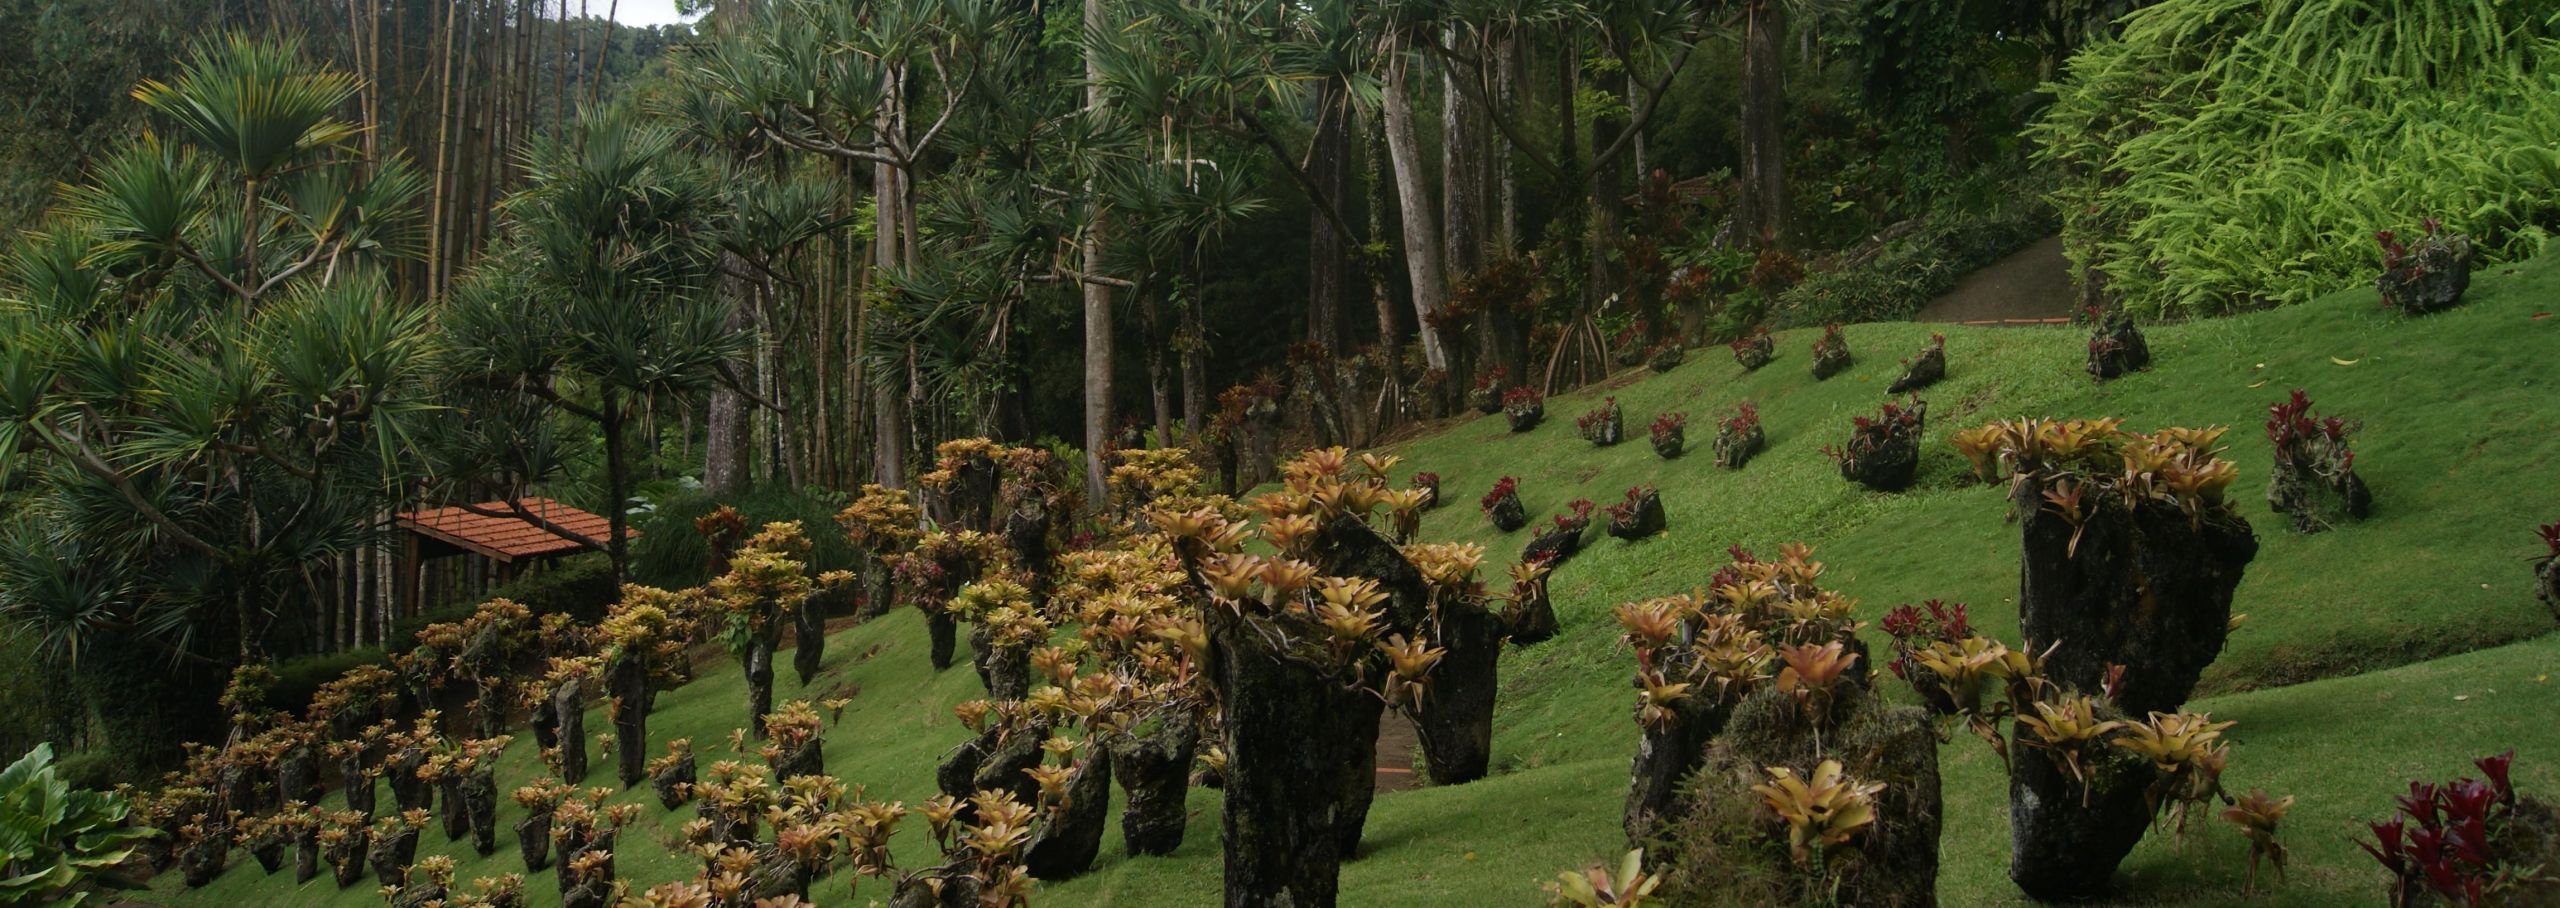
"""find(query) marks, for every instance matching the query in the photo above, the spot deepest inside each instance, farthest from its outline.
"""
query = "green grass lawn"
(2344, 679)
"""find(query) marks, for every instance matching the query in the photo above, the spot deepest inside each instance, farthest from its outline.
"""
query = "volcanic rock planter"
(1830, 353)
(407, 790)
(1503, 507)
(1739, 438)
(1562, 539)
(2117, 347)
(480, 798)
(356, 779)
(306, 854)
(2427, 276)
(1666, 754)
(672, 777)
(1531, 613)
(1755, 351)
(628, 683)
(568, 708)
(1455, 723)
(1486, 396)
(2547, 571)
(809, 631)
(1604, 426)
(1894, 861)
(203, 858)
(1666, 357)
(1068, 837)
(1524, 408)
(2314, 479)
(456, 816)
(1429, 483)
(1670, 435)
(533, 841)
(2119, 592)
(1155, 773)
(391, 855)
(347, 855)
(1883, 453)
(1638, 517)
(1924, 369)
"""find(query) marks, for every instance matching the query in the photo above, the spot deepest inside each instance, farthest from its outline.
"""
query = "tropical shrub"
(2229, 153)
(1830, 352)
(2428, 276)
(2314, 479)
(1524, 407)
(1670, 434)
(2469, 841)
(1604, 425)
(1883, 453)
(1597, 887)
(1739, 437)
(1502, 505)
(56, 841)
(1923, 369)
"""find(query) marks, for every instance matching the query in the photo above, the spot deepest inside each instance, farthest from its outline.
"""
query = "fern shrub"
(2225, 154)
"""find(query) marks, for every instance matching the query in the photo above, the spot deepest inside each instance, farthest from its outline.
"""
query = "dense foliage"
(2225, 154)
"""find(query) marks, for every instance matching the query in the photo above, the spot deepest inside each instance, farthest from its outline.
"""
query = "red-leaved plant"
(1505, 489)
(1668, 423)
(2441, 841)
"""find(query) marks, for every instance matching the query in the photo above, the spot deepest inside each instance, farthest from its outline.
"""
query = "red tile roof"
(508, 538)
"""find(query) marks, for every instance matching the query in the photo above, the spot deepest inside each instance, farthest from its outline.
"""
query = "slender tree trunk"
(1329, 162)
(441, 200)
(617, 481)
(1462, 207)
(1422, 240)
(724, 465)
(1097, 302)
(1763, 208)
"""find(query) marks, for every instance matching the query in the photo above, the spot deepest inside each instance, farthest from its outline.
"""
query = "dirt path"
(1396, 744)
(2032, 285)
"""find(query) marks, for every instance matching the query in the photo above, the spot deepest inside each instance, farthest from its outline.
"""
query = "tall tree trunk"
(1328, 261)
(724, 463)
(1462, 153)
(1422, 240)
(617, 483)
(1763, 208)
(1097, 302)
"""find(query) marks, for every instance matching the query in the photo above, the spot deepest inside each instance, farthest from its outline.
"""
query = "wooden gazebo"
(506, 535)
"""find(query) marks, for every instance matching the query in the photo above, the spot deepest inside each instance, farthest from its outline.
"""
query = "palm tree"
(599, 304)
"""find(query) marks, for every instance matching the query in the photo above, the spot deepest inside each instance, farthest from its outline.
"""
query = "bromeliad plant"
(1823, 812)
(1561, 539)
(1883, 453)
(1665, 356)
(1670, 432)
(1524, 407)
(1629, 887)
(2314, 480)
(1604, 425)
(1830, 352)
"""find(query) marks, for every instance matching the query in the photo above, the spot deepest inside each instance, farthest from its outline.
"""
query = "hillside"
(2400, 647)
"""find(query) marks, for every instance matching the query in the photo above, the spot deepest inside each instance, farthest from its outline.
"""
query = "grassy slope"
(2457, 442)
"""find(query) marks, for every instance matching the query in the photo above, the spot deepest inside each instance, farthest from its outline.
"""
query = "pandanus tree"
(595, 306)
(2131, 556)
(204, 373)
